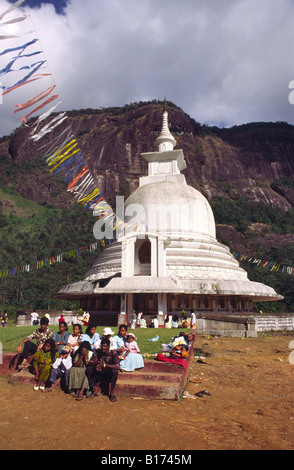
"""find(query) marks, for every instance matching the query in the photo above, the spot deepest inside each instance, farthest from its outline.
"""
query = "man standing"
(193, 319)
(34, 318)
(139, 319)
(86, 318)
(133, 319)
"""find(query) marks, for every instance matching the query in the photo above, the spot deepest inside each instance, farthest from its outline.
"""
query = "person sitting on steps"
(103, 370)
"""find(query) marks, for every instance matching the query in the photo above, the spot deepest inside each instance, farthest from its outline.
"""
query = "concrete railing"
(274, 322)
(239, 325)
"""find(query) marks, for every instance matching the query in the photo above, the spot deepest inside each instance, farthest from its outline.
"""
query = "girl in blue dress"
(90, 335)
(133, 360)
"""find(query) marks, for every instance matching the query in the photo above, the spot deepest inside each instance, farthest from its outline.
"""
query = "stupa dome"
(169, 207)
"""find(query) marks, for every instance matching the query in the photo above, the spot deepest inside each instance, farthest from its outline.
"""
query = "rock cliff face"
(254, 161)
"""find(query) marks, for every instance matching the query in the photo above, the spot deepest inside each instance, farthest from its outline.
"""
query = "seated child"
(42, 362)
(75, 339)
(60, 369)
(131, 346)
(131, 358)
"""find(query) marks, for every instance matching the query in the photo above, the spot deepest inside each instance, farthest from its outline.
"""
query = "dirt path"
(251, 406)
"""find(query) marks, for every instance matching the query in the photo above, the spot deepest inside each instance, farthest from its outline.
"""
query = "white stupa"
(167, 257)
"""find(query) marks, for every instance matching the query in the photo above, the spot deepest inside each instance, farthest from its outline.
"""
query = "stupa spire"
(165, 140)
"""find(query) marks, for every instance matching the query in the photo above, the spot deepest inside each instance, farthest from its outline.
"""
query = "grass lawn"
(12, 335)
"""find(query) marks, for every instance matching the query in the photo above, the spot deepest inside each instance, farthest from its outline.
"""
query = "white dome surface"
(170, 208)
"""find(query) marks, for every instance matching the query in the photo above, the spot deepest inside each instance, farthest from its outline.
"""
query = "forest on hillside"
(54, 245)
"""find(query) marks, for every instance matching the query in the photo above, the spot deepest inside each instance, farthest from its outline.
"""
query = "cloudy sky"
(224, 62)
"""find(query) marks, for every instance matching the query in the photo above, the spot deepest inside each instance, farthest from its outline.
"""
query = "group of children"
(82, 361)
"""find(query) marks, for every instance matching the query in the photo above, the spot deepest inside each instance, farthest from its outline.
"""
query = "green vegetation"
(282, 283)
(241, 213)
(43, 232)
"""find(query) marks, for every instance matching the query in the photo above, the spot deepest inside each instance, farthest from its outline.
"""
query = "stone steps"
(156, 380)
(154, 384)
(152, 389)
(156, 376)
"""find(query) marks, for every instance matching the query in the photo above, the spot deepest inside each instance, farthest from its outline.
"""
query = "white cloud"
(221, 61)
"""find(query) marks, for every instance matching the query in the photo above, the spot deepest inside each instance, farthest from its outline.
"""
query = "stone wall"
(274, 322)
(225, 325)
(24, 318)
(241, 325)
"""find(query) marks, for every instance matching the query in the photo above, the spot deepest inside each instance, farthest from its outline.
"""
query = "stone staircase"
(157, 380)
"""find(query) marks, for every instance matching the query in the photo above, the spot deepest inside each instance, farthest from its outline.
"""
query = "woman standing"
(133, 319)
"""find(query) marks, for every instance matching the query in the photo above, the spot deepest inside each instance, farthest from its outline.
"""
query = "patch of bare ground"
(249, 405)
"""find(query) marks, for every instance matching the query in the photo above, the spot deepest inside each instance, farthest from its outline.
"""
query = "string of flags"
(26, 66)
(26, 69)
(36, 265)
(271, 265)
(44, 263)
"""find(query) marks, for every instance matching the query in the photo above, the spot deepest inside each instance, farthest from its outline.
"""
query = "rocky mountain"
(246, 172)
(253, 161)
